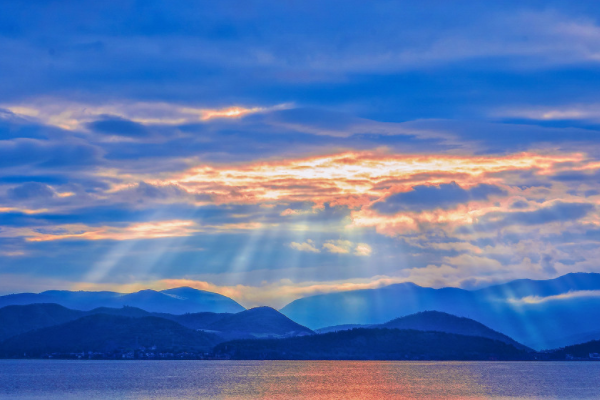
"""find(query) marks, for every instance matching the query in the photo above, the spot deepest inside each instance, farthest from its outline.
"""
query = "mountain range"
(53, 331)
(539, 314)
(173, 301)
(253, 323)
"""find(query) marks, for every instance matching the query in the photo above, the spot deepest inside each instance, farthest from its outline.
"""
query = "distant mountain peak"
(187, 292)
(263, 309)
(260, 320)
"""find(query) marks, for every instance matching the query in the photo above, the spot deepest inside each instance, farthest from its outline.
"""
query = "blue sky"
(272, 150)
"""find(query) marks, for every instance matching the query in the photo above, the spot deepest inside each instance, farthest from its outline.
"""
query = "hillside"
(172, 301)
(575, 339)
(337, 328)
(372, 344)
(105, 333)
(196, 320)
(444, 322)
(259, 321)
(581, 350)
(18, 319)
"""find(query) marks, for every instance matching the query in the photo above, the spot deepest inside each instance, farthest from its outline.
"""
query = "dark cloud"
(519, 205)
(47, 153)
(547, 263)
(558, 212)
(30, 190)
(118, 126)
(575, 176)
(430, 197)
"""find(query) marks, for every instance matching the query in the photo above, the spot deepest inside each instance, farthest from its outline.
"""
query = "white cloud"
(338, 246)
(363, 249)
(347, 247)
(306, 246)
(587, 112)
(563, 296)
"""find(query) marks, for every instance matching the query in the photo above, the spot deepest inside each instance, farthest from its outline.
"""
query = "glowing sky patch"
(147, 230)
(72, 115)
(358, 177)
(231, 112)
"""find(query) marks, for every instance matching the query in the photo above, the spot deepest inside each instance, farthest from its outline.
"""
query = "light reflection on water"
(44, 379)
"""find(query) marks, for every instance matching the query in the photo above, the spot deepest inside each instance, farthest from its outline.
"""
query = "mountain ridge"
(166, 301)
(104, 332)
(538, 324)
(372, 344)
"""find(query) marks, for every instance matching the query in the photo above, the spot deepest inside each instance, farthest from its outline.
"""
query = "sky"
(270, 150)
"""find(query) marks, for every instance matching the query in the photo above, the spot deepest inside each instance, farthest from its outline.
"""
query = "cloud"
(231, 112)
(15, 253)
(585, 111)
(146, 230)
(578, 294)
(307, 246)
(21, 152)
(30, 190)
(293, 212)
(441, 196)
(125, 119)
(556, 212)
(347, 247)
(357, 178)
(118, 126)
(128, 123)
(338, 246)
(136, 231)
(363, 249)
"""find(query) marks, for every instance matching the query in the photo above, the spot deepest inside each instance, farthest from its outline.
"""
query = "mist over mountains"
(537, 314)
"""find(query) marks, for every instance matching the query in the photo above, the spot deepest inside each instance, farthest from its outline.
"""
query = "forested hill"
(444, 322)
(372, 344)
(108, 333)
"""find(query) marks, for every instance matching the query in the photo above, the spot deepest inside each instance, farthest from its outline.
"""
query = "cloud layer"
(232, 149)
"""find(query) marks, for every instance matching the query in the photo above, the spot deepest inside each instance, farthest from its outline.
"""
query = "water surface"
(90, 380)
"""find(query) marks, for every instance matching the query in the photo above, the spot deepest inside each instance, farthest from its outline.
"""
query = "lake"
(55, 379)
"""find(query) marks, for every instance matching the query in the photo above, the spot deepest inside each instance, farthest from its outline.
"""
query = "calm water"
(90, 380)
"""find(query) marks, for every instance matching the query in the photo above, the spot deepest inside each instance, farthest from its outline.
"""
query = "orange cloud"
(359, 179)
(22, 210)
(355, 179)
(146, 230)
(72, 115)
(231, 112)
